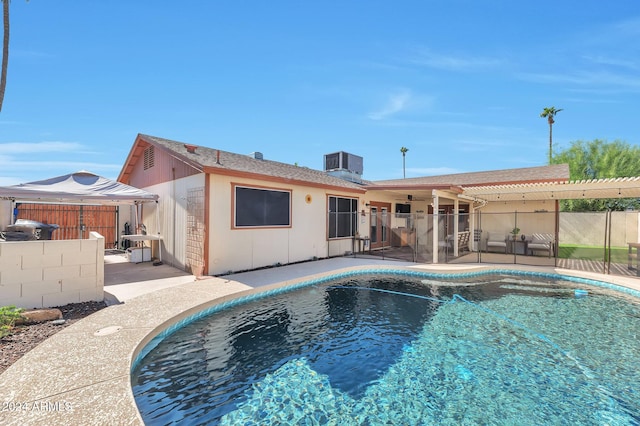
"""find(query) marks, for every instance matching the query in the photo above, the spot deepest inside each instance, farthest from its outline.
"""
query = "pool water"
(403, 350)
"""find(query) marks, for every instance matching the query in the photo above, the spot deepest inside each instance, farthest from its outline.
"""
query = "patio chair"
(463, 241)
(496, 239)
(447, 243)
(544, 242)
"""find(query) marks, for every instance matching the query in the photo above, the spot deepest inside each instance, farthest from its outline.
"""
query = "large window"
(256, 207)
(343, 217)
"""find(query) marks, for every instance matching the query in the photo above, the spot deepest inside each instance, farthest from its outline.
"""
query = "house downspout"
(436, 202)
(557, 232)
(456, 226)
(475, 245)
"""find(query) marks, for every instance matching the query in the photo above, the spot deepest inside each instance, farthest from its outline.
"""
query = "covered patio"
(530, 207)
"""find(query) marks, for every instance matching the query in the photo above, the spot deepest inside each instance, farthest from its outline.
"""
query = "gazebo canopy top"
(82, 187)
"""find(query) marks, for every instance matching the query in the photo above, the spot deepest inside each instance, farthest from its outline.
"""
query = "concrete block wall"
(42, 274)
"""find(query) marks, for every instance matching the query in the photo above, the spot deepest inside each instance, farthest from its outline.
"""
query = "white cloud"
(614, 62)
(585, 78)
(6, 163)
(40, 147)
(395, 104)
(425, 57)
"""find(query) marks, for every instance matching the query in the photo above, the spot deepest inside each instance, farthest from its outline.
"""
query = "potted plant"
(515, 231)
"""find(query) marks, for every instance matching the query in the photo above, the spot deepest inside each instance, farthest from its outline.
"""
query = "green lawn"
(576, 251)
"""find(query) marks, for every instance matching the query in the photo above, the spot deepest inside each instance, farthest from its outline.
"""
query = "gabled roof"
(77, 188)
(554, 173)
(217, 161)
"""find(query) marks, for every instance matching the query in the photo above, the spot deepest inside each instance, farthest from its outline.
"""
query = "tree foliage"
(5, 49)
(549, 114)
(403, 150)
(599, 159)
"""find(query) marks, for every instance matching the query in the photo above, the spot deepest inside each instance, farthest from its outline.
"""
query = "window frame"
(337, 214)
(234, 206)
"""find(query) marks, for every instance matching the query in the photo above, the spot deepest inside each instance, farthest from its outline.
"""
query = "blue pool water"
(368, 350)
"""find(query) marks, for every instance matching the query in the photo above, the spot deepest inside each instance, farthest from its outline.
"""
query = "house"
(223, 212)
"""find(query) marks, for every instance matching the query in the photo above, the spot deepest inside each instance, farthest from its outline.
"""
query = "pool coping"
(91, 384)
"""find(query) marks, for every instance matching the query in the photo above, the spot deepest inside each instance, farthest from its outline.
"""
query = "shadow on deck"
(408, 254)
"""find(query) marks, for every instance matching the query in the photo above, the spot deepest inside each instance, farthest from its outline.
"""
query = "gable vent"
(149, 158)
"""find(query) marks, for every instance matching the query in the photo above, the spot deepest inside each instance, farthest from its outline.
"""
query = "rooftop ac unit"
(343, 161)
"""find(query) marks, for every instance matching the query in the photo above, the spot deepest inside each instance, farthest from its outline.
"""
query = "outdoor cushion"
(541, 242)
(497, 239)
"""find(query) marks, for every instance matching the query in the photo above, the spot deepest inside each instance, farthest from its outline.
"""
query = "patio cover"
(82, 187)
(627, 187)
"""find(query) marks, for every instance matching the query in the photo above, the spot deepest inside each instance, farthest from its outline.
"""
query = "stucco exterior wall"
(40, 274)
(172, 215)
(242, 249)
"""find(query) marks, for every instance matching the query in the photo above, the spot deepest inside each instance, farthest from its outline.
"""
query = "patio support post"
(472, 227)
(456, 222)
(436, 237)
(557, 233)
(12, 213)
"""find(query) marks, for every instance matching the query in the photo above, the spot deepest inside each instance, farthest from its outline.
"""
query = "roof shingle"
(216, 159)
(553, 173)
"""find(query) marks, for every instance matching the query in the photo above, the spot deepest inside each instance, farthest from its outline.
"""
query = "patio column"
(456, 222)
(436, 238)
(472, 227)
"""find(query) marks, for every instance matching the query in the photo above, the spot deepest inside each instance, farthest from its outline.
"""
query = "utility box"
(139, 254)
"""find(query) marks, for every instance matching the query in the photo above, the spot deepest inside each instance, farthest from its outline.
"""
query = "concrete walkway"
(124, 280)
(81, 375)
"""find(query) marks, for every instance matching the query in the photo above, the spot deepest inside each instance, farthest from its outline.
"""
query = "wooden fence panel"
(75, 221)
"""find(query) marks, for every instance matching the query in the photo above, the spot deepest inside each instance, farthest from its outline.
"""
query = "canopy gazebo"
(81, 188)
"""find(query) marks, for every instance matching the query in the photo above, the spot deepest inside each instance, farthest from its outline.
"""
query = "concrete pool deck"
(81, 375)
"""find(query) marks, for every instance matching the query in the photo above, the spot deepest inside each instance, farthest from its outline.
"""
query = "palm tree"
(549, 113)
(403, 150)
(5, 50)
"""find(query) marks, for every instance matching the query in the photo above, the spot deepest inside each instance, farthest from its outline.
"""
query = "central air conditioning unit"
(343, 161)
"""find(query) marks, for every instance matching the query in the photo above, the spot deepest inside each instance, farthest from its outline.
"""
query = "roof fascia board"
(129, 158)
(140, 138)
(276, 179)
(409, 187)
(519, 182)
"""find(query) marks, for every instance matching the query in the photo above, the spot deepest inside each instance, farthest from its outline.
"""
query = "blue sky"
(459, 83)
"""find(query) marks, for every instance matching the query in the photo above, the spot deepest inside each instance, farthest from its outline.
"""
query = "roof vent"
(257, 155)
(191, 149)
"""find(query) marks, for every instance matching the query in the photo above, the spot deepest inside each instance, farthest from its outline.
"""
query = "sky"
(461, 84)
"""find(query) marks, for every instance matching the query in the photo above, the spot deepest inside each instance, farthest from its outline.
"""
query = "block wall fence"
(41, 274)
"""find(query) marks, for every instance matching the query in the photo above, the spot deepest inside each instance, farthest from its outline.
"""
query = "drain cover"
(108, 330)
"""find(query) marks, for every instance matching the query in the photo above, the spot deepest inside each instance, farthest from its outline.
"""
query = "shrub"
(8, 317)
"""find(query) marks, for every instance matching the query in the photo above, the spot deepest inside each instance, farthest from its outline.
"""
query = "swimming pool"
(402, 349)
